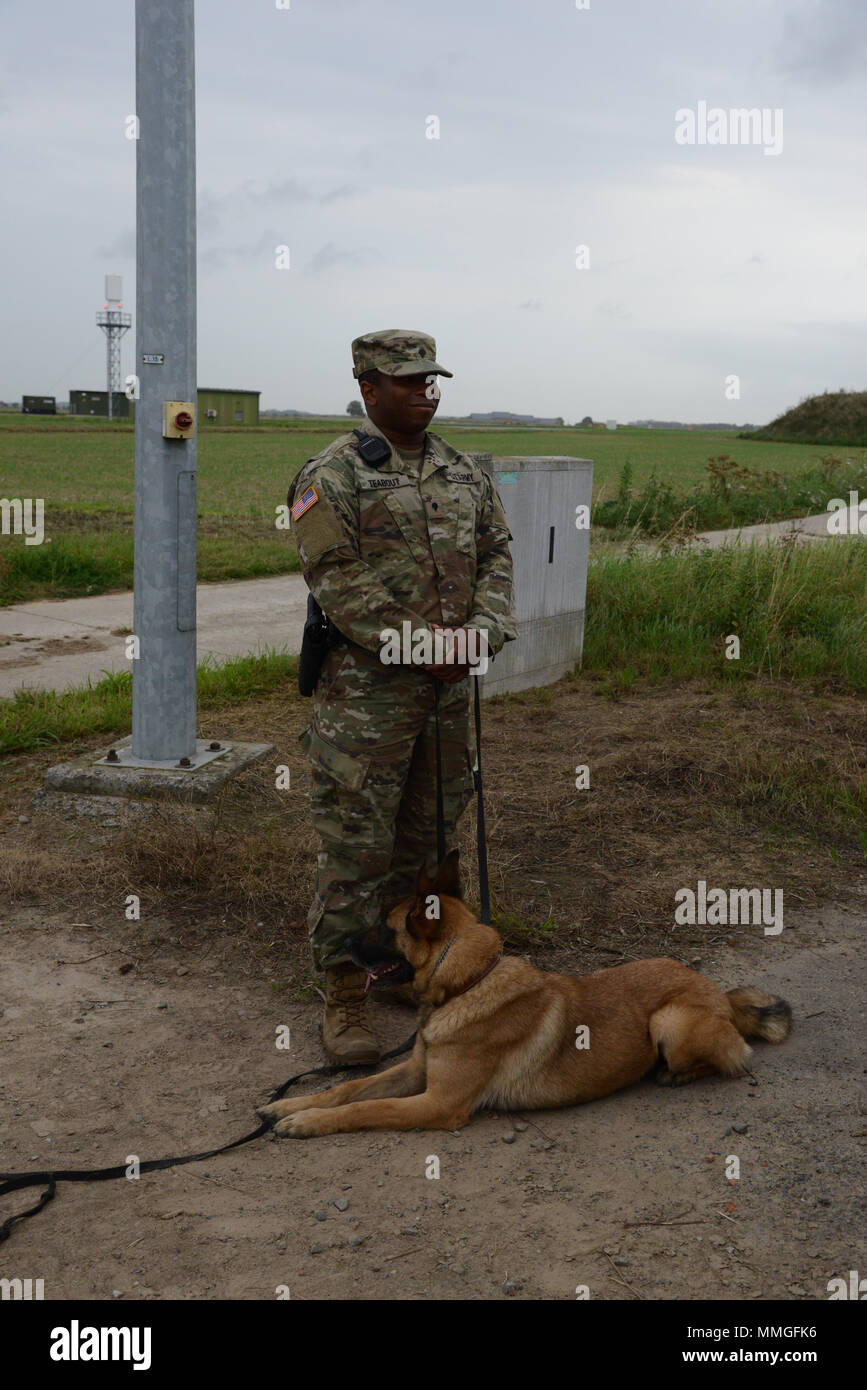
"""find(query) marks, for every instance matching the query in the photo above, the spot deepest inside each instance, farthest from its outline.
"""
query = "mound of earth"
(835, 417)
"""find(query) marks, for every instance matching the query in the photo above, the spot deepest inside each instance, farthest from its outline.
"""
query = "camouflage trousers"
(372, 751)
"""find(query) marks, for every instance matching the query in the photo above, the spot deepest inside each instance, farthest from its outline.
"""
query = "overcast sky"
(557, 128)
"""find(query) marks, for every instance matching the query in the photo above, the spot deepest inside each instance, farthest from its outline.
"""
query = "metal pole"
(108, 368)
(164, 607)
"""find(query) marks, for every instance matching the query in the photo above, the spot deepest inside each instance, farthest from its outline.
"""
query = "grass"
(835, 417)
(93, 554)
(517, 933)
(740, 772)
(754, 784)
(245, 471)
(35, 718)
(729, 495)
(84, 472)
(798, 612)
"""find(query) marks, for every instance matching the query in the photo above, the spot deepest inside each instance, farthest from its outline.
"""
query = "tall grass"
(729, 495)
(799, 612)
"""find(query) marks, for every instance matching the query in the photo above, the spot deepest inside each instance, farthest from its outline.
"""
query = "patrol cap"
(396, 352)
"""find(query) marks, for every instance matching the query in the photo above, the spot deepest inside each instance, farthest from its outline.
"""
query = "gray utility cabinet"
(550, 554)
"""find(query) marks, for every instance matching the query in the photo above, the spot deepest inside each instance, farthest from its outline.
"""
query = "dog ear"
(424, 917)
(422, 884)
(447, 878)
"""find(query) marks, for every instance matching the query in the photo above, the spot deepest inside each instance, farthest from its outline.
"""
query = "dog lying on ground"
(495, 1032)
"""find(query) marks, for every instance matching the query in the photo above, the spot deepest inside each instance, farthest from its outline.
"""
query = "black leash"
(481, 839)
(441, 819)
(14, 1182)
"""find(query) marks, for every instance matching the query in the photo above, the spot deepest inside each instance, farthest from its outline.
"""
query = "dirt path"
(627, 1196)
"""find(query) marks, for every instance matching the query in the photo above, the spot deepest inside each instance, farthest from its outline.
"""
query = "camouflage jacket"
(380, 546)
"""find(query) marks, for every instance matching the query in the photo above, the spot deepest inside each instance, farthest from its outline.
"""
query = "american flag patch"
(304, 503)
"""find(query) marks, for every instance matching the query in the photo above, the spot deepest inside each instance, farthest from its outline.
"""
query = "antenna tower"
(114, 323)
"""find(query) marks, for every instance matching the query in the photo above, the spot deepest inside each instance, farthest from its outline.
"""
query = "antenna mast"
(114, 323)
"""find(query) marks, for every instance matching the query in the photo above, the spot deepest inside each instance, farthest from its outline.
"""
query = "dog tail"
(759, 1015)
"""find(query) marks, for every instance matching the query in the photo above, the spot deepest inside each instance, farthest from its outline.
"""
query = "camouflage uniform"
(380, 547)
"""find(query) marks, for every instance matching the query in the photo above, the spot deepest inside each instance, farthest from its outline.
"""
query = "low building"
(96, 403)
(216, 405)
(219, 406)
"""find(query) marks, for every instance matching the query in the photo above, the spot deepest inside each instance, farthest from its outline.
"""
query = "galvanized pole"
(164, 609)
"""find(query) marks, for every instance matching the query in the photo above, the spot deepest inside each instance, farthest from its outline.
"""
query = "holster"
(320, 636)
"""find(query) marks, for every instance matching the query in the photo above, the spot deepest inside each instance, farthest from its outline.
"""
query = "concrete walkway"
(56, 643)
(811, 528)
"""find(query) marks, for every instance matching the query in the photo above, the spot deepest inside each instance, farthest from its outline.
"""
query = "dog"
(494, 1032)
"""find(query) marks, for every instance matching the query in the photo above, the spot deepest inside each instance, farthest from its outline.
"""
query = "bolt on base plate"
(206, 751)
(98, 774)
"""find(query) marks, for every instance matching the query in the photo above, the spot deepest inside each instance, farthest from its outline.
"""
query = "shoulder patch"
(307, 500)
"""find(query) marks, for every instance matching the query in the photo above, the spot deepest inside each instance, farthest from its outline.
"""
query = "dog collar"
(443, 954)
(471, 983)
(477, 979)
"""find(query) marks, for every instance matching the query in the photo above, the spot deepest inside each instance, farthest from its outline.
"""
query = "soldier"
(392, 528)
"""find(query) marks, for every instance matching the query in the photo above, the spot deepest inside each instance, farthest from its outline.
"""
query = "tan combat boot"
(396, 994)
(346, 1032)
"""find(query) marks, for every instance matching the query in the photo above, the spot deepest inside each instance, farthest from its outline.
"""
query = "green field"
(244, 472)
(83, 469)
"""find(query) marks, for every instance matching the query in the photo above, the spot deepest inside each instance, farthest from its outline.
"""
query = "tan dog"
(495, 1032)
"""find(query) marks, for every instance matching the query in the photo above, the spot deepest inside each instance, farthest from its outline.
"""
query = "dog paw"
(678, 1078)
(302, 1125)
(275, 1111)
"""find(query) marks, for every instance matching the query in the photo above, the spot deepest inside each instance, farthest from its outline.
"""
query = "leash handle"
(14, 1182)
(48, 1194)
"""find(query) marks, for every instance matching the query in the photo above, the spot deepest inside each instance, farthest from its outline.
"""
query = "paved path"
(812, 528)
(56, 643)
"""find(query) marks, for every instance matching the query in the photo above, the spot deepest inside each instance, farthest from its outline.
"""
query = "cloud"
(222, 254)
(826, 41)
(612, 309)
(262, 193)
(532, 304)
(330, 257)
(123, 245)
(233, 207)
